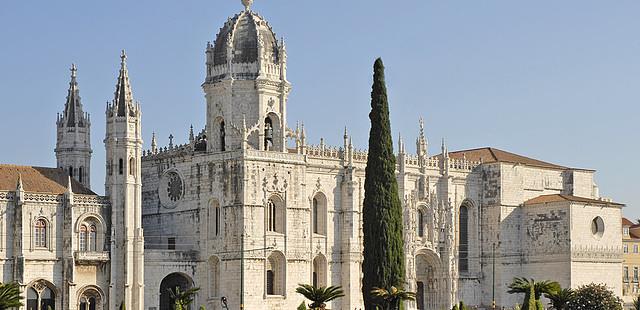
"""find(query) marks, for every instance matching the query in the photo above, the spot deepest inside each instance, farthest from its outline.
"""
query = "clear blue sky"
(554, 80)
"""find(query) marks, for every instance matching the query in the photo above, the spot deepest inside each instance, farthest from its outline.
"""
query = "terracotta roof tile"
(492, 155)
(560, 198)
(38, 180)
(627, 222)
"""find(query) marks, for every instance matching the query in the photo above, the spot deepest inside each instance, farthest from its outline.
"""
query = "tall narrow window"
(70, 171)
(40, 234)
(93, 238)
(420, 223)
(120, 166)
(271, 219)
(268, 134)
(217, 219)
(222, 136)
(80, 174)
(83, 238)
(315, 215)
(171, 243)
(270, 280)
(463, 245)
(319, 214)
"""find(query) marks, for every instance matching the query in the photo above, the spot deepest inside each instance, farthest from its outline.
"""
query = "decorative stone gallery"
(247, 209)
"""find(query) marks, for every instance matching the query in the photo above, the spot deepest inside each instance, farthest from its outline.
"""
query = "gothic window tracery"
(174, 187)
(88, 237)
(275, 274)
(40, 296)
(420, 221)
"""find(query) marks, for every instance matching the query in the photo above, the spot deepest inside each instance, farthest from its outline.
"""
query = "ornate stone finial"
(123, 56)
(421, 126)
(170, 141)
(154, 143)
(247, 4)
(73, 69)
(191, 136)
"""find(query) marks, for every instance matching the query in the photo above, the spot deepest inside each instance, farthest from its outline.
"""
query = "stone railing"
(323, 151)
(162, 151)
(91, 256)
(590, 252)
(91, 200)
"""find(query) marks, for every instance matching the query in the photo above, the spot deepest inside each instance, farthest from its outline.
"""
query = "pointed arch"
(41, 295)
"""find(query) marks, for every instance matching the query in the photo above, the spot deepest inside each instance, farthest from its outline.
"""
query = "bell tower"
(73, 140)
(123, 143)
(246, 86)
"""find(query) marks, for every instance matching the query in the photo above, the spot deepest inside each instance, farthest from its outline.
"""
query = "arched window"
(275, 274)
(40, 297)
(271, 219)
(222, 136)
(319, 214)
(319, 275)
(275, 215)
(90, 299)
(463, 245)
(215, 219)
(132, 167)
(420, 223)
(40, 234)
(93, 238)
(268, 134)
(83, 237)
(120, 166)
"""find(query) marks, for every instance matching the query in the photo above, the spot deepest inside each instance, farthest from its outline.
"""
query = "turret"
(123, 143)
(73, 144)
(246, 79)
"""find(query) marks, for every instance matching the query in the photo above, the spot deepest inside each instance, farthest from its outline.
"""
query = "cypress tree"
(383, 264)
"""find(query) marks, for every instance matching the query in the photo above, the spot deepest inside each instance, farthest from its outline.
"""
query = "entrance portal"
(168, 284)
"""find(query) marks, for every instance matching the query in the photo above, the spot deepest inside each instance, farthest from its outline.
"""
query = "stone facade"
(247, 209)
(631, 264)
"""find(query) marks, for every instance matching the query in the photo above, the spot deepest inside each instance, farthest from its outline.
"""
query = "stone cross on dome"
(247, 4)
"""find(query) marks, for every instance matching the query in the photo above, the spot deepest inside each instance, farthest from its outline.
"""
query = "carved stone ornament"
(171, 189)
(274, 184)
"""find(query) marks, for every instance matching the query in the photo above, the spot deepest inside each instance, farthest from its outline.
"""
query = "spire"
(123, 95)
(445, 152)
(19, 191)
(401, 149)
(247, 4)
(69, 187)
(154, 143)
(421, 141)
(73, 114)
(191, 137)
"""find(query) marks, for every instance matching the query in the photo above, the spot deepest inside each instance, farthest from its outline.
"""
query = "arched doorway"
(169, 283)
(90, 299)
(431, 284)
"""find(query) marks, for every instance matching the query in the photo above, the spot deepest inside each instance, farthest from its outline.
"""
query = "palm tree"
(636, 303)
(560, 299)
(182, 299)
(10, 296)
(392, 297)
(319, 296)
(526, 286)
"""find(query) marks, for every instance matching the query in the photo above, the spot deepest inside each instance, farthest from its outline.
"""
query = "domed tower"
(246, 87)
(73, 144)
